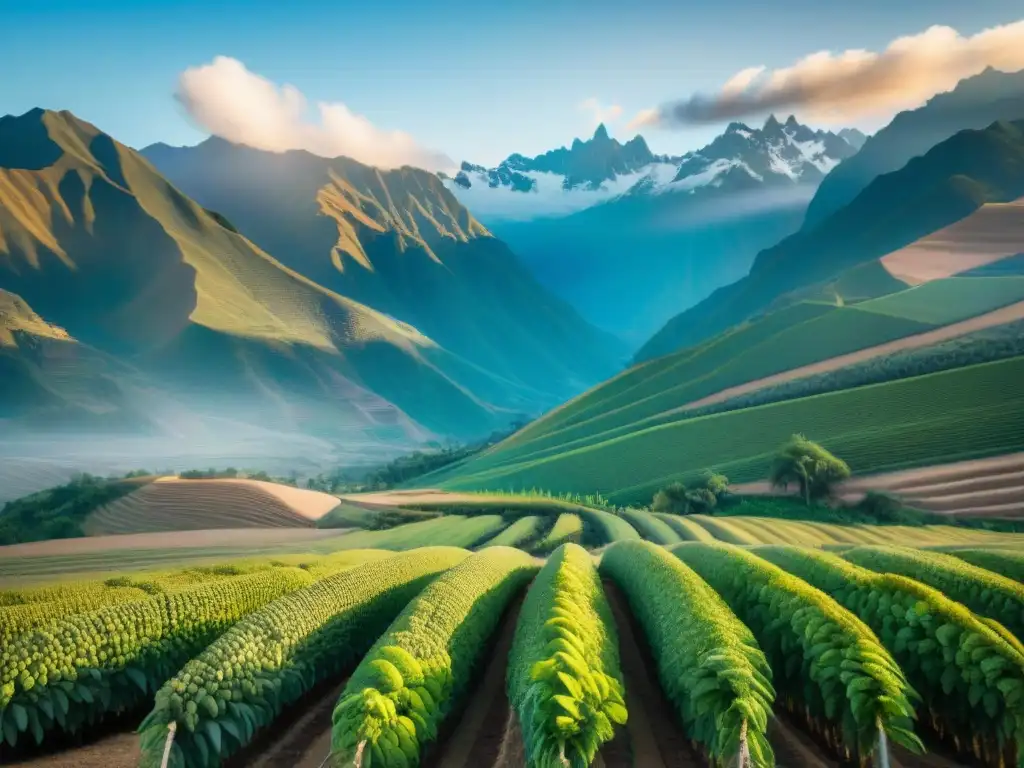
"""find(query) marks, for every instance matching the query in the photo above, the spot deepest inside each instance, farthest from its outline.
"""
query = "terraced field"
(171, 504)
(968, 412)
(449, 629)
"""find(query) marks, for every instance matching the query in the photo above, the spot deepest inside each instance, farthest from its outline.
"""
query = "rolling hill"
(905, 360)
(399, 241)
(126, 305)
(951, 181)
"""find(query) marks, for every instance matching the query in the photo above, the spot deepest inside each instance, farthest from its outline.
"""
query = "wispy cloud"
(600, 113)
(852, 84)
(229, 101)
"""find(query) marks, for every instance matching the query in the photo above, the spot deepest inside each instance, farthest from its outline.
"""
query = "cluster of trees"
(799, 462)
(988, 345)
(678, 499)
(58, 513)
(231, 473)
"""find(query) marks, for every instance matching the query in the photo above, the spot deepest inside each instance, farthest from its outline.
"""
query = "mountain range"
(126, 305)
(946, 184)
(685, 225)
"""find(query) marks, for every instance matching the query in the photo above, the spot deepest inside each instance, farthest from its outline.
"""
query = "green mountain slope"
(975, 103)
(99, 244)
(400, 242)
(948, 183)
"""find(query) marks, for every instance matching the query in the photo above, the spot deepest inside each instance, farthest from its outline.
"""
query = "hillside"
(400, 242)
(941, 317)
(122, 296)
(974, 103)
(948, 183)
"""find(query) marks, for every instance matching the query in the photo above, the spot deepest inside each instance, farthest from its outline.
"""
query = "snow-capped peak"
(596, 170)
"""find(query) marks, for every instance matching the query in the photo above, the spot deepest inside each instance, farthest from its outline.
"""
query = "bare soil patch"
(993, 232)
(656, 739)
(485, 723)
(1000, 316)
(172, 504)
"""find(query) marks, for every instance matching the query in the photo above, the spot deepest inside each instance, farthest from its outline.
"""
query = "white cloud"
(600, 113)
(229, 101)
(853, 84)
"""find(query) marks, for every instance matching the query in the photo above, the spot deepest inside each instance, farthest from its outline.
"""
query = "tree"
(810, 466)
(673, 499)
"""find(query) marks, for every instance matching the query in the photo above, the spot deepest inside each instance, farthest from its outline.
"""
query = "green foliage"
(948, 654)
(567, 528)
(421, 666)
(822, 655)
(600, 527)
(240, 684)
(942, 417)
(22, 617)
(984, 592)
(677, 499)
(984, 346)
(93, 665)
(564, 680)
(58, 513)
(651, 528)
(519, 533)
(1004, 562)
(709, 664)
(350, 516)
(449, 531)
(810, 466)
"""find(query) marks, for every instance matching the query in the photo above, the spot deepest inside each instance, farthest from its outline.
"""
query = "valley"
(695, 440)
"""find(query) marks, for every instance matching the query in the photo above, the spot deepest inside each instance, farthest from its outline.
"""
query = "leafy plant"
(709, 664)
(564, 680)
(810, 466)
(949, 654)
(415, 673)
(825, 659)
(238, 685)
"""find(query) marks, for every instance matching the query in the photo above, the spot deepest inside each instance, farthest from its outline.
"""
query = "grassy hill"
(845, 362)
(950, 182)
(963, 413)
(96, 247)
(400, 242)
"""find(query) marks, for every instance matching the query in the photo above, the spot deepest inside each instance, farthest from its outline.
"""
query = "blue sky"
(475, 79)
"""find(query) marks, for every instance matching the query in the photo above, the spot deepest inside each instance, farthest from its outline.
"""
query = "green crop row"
(420, 667)
(446, 531)
(600, 527)
(23, 617)
(564, 680)
(949, 655)
(567, 528)
(684, 527)
(986, 593)
(92, 665)
(650, 527)
(239, 684)
(971, 411)
(822, 655)
(1006, 563)
(709, 664)
(523, 530)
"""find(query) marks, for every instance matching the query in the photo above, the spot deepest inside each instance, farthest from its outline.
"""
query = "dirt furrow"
(656, 739)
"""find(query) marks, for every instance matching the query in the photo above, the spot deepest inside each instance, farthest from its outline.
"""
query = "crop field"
(170, 504)
(964, 413)
(718, 647)
(951, 300)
